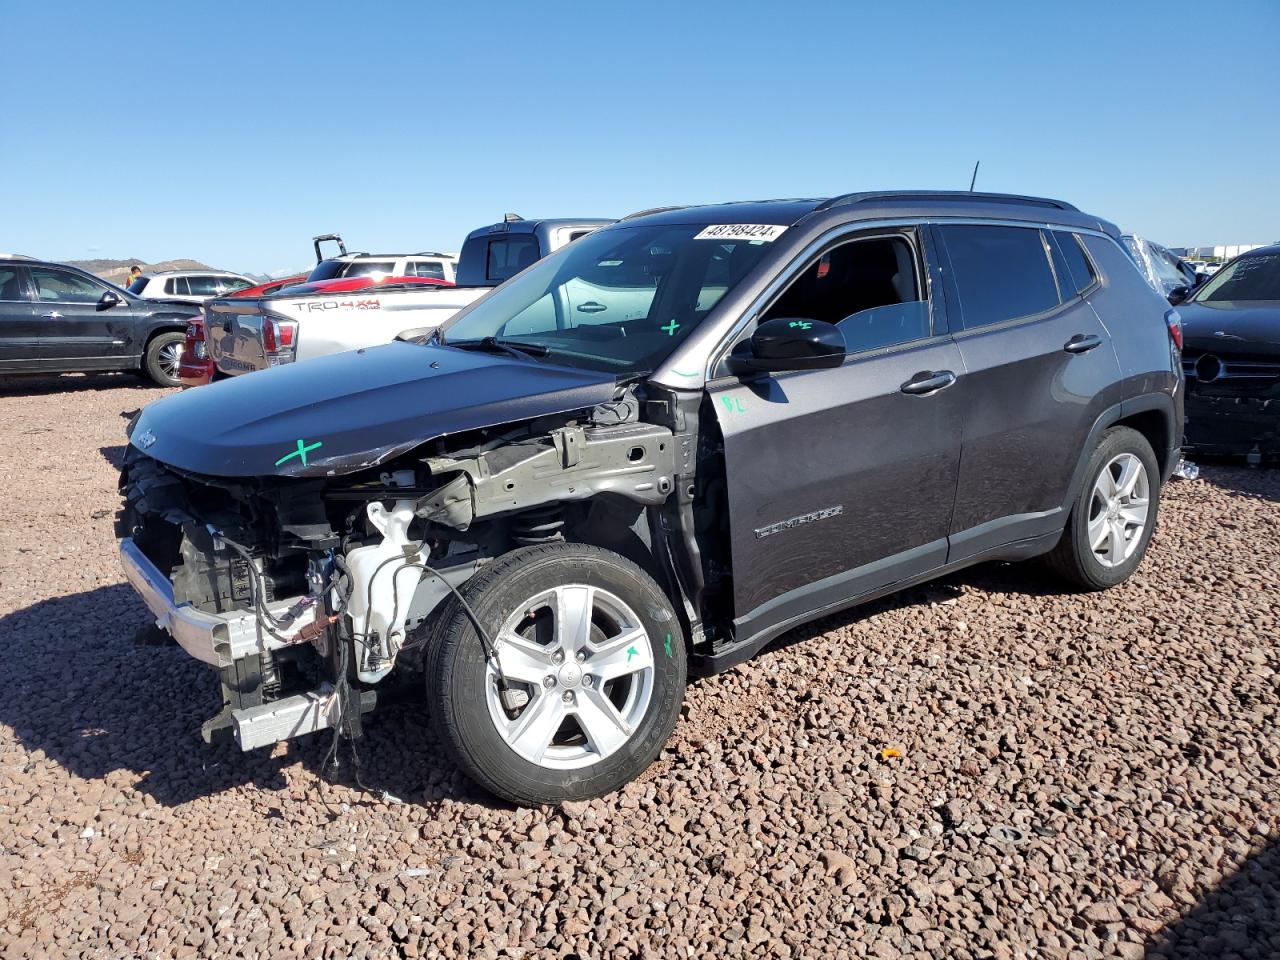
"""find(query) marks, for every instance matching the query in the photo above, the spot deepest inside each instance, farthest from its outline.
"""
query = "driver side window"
(869, 287)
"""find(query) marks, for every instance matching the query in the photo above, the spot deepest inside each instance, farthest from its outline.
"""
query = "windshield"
(1246, 278)
(619, 300)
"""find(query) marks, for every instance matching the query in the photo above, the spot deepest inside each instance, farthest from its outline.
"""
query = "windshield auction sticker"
(742, 231)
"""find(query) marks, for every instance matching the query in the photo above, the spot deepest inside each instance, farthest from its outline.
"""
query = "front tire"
(594, 660)
(164, 354)
(1114, 516)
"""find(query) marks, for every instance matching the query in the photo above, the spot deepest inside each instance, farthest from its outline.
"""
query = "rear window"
(1001, 273)
(509, 255)
(139, 285)
(326, 270)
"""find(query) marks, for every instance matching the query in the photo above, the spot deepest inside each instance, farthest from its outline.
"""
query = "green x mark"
(301, 452)
(632, 652)
(802, 324)
(671, 328)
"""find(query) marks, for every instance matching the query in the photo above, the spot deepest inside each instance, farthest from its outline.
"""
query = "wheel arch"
(1151, 415)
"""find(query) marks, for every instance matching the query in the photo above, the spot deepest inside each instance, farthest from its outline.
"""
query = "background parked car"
(1231, 356)
(1170, 275)
(433, 266)
(59, 319)
(192, 285)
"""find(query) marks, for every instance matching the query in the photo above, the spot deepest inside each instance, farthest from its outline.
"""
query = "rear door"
(841, 481)
(75, 326)
(1040, 368)
(19, 328)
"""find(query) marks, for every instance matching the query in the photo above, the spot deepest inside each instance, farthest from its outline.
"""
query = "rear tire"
(164, 353)
(1114, 515)
(594, 658)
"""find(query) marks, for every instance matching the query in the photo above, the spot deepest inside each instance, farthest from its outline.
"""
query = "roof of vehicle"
(197, 273)
(883, 204)
(530, 226)
(1268, 250)
(16, 256)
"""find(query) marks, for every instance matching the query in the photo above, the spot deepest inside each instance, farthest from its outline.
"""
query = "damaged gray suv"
(652, 453)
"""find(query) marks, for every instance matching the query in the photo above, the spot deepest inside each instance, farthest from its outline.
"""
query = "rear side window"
(1079, 269)
(369, 268)
(509, 255)
(11, 284)
(204, 286)
(432, 269)
(1001, 273)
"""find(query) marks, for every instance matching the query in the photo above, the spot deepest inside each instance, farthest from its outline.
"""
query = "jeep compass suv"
(651, 453)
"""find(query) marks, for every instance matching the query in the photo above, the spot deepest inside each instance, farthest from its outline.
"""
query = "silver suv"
(194, 285)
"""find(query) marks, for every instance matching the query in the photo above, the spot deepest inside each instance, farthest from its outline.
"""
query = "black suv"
(60, 319)
(653, 452)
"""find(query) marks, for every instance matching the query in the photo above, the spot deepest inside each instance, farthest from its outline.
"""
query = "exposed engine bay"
(306, 593)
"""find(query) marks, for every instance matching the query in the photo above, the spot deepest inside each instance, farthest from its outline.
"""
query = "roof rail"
(943, 195)
(430, 253)
(645, 213)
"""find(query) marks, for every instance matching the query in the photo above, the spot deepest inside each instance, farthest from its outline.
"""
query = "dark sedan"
(1231, 330)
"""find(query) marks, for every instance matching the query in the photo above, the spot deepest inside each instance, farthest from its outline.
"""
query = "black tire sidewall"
(1116, 441)
(150, 361)
(457, 673)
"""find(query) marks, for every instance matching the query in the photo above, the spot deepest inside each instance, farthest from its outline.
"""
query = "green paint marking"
(632, 652)
(671, 328)
(732, 404)
(667, 645)
(802, 324)
(681, 373)
(301, 453)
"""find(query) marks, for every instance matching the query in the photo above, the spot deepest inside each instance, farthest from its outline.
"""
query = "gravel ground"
(985, 767)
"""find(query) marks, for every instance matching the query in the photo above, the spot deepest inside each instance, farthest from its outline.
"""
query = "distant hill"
(116, 271)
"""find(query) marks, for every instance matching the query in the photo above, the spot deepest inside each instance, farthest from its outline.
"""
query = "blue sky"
(233, 132)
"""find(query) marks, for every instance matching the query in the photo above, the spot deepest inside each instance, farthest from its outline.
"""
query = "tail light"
(195, 345)
(279, 340)
(1173, 320)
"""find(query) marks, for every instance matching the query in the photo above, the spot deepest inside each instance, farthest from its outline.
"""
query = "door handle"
(1082, 343)
(591, 307)
(51, 316)
(929, 381)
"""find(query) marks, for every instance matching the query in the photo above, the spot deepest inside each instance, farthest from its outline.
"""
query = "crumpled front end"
(305, 594)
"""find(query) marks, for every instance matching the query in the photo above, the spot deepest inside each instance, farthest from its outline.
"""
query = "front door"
(78, 331)
(19, 328)
(842, 481)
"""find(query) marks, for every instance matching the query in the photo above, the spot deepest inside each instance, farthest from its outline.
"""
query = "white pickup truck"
(247, 334)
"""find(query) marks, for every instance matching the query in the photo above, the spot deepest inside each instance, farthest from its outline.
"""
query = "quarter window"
(64, 287)
(1078, 266)
(1001, 273)
(868, 287)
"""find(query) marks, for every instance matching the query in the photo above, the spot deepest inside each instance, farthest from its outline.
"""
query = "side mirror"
(1178, 294)
(790, 343)
(108, 300)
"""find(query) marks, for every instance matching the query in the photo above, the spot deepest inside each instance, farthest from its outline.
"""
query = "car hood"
(350, 411)
(1241, 326)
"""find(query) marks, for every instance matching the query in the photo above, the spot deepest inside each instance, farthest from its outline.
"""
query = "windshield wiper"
(498, 345)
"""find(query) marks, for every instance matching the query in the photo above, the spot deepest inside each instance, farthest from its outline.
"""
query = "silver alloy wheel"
(1118, 510)
(168, 358)
(579, 670)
